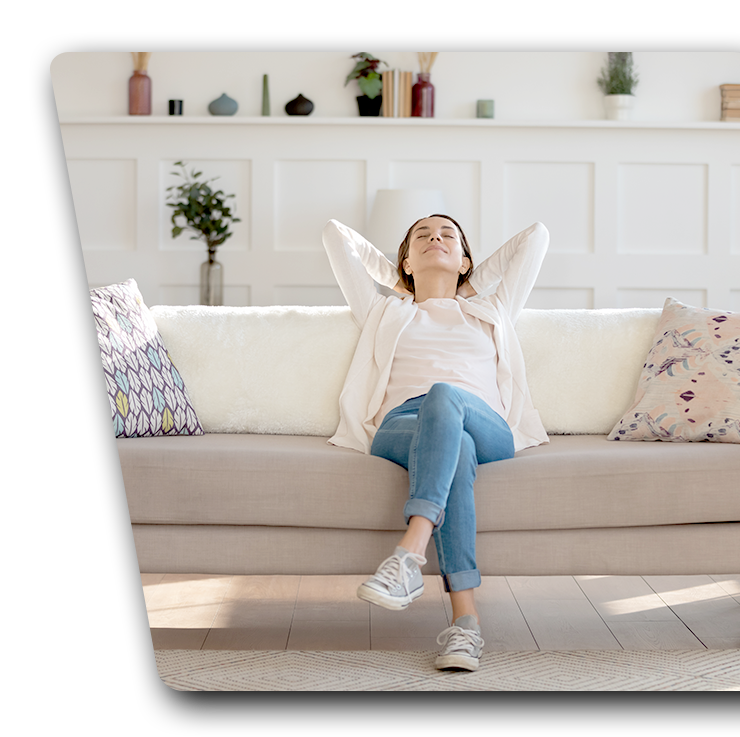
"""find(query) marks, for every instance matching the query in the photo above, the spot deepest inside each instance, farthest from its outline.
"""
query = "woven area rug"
(377, 670)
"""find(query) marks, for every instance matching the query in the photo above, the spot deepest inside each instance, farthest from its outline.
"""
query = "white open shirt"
(502, 282)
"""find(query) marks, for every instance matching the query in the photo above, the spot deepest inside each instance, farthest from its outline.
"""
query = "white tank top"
(442, 344)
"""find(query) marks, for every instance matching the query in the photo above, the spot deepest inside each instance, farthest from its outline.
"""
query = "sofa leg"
(56, 589)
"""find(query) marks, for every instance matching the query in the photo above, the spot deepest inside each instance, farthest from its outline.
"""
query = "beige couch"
(264, 493)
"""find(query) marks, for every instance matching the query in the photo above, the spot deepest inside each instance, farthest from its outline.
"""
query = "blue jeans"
(440, 438)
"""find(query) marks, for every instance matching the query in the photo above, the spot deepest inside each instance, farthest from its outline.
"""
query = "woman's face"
(435, 245)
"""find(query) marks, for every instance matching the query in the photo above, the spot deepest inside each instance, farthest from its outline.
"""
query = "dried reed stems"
(426, 60)
(141, 60)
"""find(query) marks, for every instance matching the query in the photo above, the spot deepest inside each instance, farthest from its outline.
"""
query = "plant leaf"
(371, 85)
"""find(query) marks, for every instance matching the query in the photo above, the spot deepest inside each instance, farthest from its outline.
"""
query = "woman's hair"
(403, 251)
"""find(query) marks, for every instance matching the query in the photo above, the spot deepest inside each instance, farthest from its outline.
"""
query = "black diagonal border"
(97, 411)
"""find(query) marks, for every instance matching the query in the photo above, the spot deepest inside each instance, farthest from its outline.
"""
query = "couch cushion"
(268, 370)
(583, 365)
(689, 388)
(281, 369)
(574, 482)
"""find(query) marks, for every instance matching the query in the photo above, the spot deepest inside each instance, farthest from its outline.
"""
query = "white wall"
(637, 212)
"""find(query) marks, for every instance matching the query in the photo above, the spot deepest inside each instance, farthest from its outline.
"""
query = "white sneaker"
(462, 645)
(396, 583)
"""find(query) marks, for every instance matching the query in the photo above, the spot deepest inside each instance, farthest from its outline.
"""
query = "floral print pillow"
(689, 388)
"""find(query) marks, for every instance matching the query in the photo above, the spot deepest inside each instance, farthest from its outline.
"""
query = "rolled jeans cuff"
(461, 580)
(423, 508)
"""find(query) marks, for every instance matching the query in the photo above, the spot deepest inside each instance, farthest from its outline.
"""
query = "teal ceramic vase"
(224, 105)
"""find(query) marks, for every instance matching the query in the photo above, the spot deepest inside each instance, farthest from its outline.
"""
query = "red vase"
(422, 97)
(140, 94)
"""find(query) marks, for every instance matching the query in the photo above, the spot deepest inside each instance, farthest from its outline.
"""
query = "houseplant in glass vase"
(208, 215)
(617, 81)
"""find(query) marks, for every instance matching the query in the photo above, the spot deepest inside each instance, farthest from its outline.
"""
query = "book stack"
(730, 102)
(396, 94)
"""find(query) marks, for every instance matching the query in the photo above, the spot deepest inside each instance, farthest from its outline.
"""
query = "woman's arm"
(356, 263)
(511, 272)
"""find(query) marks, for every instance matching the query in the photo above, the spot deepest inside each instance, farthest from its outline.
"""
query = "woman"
(437, 385)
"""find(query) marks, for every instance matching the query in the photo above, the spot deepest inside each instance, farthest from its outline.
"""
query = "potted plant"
(370, 83)
(207, 214)
(617, 81)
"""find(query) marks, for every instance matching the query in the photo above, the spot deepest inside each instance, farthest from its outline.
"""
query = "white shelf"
(379, 121)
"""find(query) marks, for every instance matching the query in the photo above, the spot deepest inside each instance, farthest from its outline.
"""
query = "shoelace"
(456, 639)
(392, 571)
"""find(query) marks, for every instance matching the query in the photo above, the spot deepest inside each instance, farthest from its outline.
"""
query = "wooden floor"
(517, 613)
(323, 613)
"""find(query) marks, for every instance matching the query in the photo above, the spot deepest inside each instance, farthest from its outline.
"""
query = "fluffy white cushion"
(583, 365)
(269, 370)
(280, 370)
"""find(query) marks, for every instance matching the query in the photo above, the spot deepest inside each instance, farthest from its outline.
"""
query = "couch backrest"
(280, 370)
(583, 365)
(273, 370)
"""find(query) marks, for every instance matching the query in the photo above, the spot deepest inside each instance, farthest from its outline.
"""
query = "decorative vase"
(368, 106)
(211, 280)
(422, 97)
(299, 106)
(224, 105)
(140, 94)
(619, 107)
(265, 95)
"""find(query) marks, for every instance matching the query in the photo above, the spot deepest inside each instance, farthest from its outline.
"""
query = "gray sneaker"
(461, 645)
(396, 583)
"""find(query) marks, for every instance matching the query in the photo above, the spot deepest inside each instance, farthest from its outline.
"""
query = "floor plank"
(517, 613)
(703, 605)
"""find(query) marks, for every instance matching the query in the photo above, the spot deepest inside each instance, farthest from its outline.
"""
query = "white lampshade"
(395, 210)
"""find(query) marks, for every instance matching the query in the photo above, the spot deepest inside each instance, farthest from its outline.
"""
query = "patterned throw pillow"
(65, 415)
(147, 394)
(689, 388)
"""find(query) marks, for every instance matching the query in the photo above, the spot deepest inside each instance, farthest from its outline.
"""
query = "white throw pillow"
(267, 370)
(583, 365)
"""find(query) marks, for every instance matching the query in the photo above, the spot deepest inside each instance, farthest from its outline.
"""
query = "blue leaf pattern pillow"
(147, 394)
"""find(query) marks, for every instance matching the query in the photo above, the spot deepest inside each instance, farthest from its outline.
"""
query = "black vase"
(299, 106)
(368, 106)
